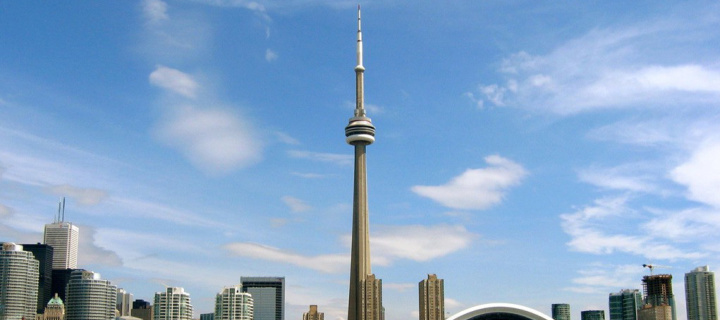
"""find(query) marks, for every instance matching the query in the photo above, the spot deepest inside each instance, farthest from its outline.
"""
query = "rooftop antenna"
(57, 217)
(63, 210)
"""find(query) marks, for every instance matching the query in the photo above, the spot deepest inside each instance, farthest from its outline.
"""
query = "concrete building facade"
(19, 273)
(63, 237)
(233, 304)
(700, 299)
(172, 304)
(657, 290)
(313, 314)
(431, 300)
(88, 297)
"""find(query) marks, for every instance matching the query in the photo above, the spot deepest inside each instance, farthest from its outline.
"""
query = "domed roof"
(55, 301)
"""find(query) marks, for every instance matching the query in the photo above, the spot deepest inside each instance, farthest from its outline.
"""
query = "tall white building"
(124, 302)
(19, 274)
(700, 294)
(173, 304)
(233, 304)
(89, 298)
(63, 237)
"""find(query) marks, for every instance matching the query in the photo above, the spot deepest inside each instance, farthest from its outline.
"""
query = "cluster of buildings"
(657, 301)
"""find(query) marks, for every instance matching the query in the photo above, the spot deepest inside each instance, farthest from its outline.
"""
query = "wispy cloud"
(589, 229)
(215, 140)
(286, 138)
(417, 242)
(476, 189)
(5, 211)
(295, 204)
(389, 243)
(174, 80)
(331, 263)
(629, 177)
(598, 278)
(335, 158)
(601, 70)
(84, 196)
(270, 55)
(155, 10)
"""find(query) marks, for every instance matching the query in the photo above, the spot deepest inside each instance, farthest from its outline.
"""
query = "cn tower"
(365, 301)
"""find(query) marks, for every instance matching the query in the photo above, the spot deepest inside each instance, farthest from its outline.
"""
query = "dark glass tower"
(44, 254)
(268, 295)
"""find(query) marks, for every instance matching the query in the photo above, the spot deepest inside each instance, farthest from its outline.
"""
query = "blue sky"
(527, 152)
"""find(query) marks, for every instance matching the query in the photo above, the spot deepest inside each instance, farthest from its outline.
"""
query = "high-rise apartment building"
(360, 133)
(43, 253)
(63, 237)
(88, 297)
(268, 295)
(124, 302)
(172, 304)
(233, 304)
(313, 314)
(561, 311)
(625, 304)
(700, 294)
(207, 316)
(592, 315)
(431, 298)
(19, 273)
(55, 309)
(657, 290)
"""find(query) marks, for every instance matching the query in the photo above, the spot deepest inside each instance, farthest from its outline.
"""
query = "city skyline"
(542, 151)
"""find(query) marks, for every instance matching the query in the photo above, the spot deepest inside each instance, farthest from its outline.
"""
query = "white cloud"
(84, 196)
(701, 174)
(295, 204)
(155, 10)
(174, 80)
(332, 263)
(589, 226)
(270, 55)
(389, 243)
(335, 158)
(417, 242)
(151, 210)
(476, 189)
(598, 278)
(215, 140)
(631, 177)
(601, 69)
(286, 138)
(89, 253)
(309, 175)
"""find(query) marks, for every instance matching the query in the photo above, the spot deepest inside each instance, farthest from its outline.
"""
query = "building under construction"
(658, 292)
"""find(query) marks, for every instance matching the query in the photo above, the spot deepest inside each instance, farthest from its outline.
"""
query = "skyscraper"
(431, 298)
(124, 302)
(313, 314)
(89, 297)
(43, 253)
(592, 315)
(268, 295)
(658, 292)
(624, 305)
(19, 272)
(360, 133)
(233, 304)
(700, 294)
(561, 311)
(172, 304)
(63, 237)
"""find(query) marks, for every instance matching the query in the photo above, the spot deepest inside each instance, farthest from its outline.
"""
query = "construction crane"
(653, 266)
